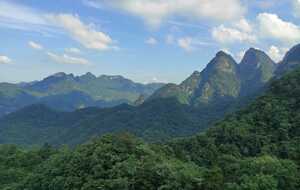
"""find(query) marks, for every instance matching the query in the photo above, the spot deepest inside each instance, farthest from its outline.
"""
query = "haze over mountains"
(172, 111)
(66, 92)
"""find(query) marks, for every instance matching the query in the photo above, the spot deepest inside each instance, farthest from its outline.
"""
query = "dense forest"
(254, 149)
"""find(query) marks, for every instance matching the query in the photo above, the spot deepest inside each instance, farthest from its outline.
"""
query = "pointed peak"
(254, 51)
(88, 75)
(222, 53)
(256, 57)
(222, 57)
(293, 55)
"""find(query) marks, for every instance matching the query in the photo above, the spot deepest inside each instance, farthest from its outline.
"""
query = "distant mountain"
(67, 92)
(223, 81)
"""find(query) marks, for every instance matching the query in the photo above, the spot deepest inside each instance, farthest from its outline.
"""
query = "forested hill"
(158, 120)
(254, 149)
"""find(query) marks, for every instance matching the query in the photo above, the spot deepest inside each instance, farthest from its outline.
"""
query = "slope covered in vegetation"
(254, 149)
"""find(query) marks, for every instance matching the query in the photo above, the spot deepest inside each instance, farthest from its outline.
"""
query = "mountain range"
(66, 92)
(223, 81)
(256, 148)
(172, 111)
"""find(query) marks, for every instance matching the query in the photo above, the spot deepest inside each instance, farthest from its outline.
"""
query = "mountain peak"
(293, 55)
(256, 57)
(88, 75)
(222, 53)
(290, 61)
(222, 61)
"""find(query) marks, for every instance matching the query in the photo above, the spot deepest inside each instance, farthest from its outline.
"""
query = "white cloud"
(35, 45)
(277, 53)
(156, 11)
(87, 35)
(271, 26)
(296, 4)
(20, 17)
(243, 25)
(72, 50)
(91, 3)
(225, 35)
(186, 43)
(239, 56)
(67, 59)
(151, 41)
(191, 43)
(4, 59)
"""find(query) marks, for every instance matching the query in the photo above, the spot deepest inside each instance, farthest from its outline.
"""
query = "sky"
(144, 40)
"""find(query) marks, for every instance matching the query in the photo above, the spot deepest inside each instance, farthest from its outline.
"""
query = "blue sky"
(144, 40)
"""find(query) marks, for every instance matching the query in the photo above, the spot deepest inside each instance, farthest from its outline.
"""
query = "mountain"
(290, 61)
(255, 70)
(157, 120)
(218, 81)
(223, 81)
(256, 148)
(67, 92)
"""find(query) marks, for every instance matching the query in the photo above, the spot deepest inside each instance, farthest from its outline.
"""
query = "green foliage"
(158, 120)
(112, 162)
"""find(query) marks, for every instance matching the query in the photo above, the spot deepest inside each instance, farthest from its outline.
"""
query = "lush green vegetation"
(158, 120)
(254, 149)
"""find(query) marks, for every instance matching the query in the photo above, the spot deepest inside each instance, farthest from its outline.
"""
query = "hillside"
(255, 148)
(66, 92)
(157, 120)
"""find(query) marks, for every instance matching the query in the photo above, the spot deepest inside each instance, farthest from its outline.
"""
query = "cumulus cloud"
(186, 43)
(155, 11)
(4, 59)
(87, 35)
(67, 59)
(21, 17)
(271, 26)
(72, 50)
(35, 45)
(223, 34)
(151, 41)
(277, 53)
(296, 4)
(243, 25)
